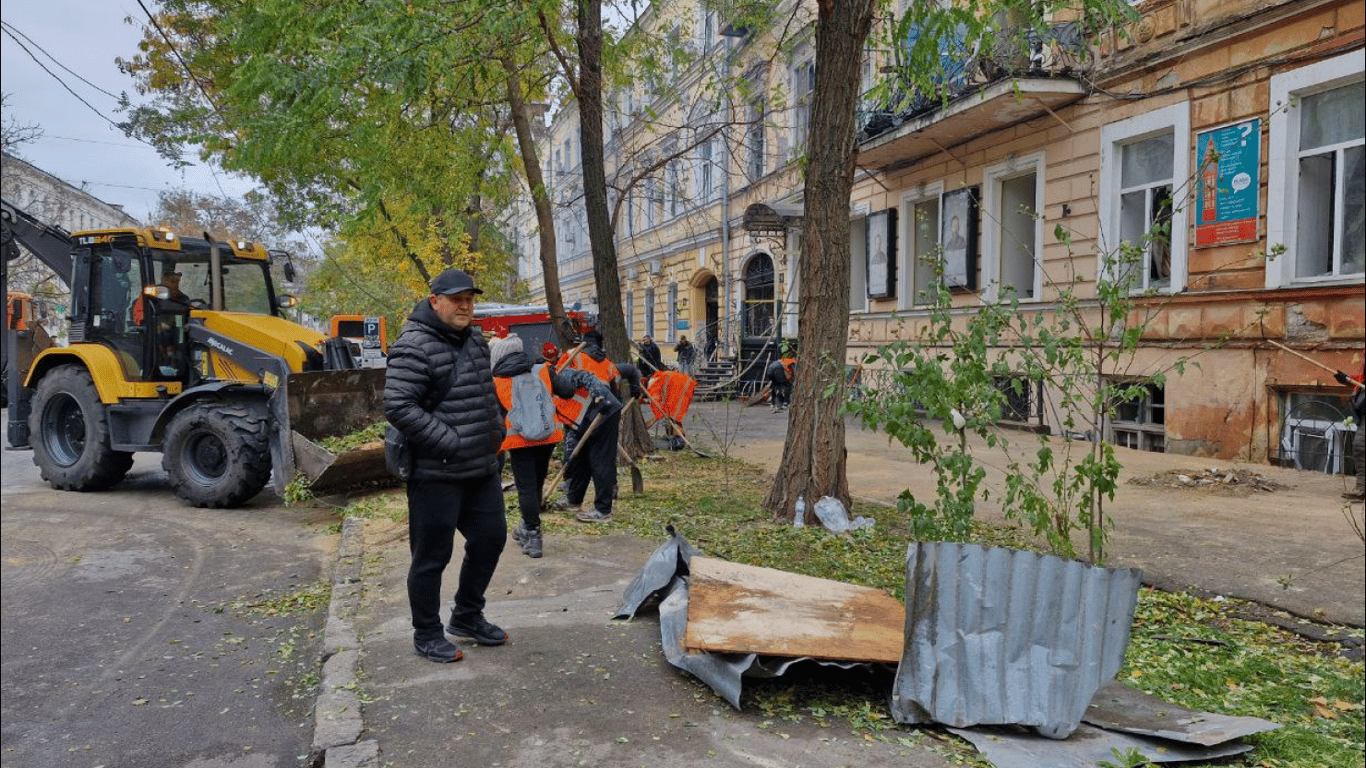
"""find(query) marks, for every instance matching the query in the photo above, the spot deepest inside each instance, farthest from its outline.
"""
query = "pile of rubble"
(1014, 651)
(1235, 481)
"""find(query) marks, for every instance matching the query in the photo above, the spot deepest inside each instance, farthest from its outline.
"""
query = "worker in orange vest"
(781, 373)
(596, 459)
(529, 449)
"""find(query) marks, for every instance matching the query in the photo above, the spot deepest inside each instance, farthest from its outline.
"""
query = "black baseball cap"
(453, 281)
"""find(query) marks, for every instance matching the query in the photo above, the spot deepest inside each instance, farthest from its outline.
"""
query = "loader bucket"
(317, 405)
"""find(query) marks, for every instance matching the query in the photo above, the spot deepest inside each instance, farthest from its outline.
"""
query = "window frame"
(909, 256)
(1175, 119)
(1282, 204)
(1146, 429)
(992, 219)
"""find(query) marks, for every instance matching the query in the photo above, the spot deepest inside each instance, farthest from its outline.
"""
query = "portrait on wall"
(882, 254)
(958, 238)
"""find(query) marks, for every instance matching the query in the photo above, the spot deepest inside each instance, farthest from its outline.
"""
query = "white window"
(1145, 183)
(650, 311)
(1012, 229)
(1317, 169)
(1140, 422)
(1314, 432)
(858, 258)
(672, 312)
(920, 232)
(803, 84)
(705, 171)
(630, 300)
(756, 113)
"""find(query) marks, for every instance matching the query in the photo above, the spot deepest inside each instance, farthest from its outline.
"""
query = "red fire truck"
(529, 321)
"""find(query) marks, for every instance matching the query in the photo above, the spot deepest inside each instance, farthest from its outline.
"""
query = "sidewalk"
(573, 687)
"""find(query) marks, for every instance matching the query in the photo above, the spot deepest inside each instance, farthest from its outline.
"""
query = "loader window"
(244, 289)
(116, 282)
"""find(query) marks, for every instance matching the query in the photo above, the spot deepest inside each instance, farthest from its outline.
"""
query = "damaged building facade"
(1237, 125)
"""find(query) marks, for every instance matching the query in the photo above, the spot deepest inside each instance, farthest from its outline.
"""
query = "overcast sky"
(79, 145)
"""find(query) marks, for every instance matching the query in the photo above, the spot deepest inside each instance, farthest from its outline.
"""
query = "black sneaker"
(519, 533)
(594, 516)
(440, 650)
(478, 629)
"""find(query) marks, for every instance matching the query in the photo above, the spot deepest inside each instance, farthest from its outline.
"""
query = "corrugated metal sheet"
(1009, 747)
(1117, 707)
(669, 559)
(1003, 636)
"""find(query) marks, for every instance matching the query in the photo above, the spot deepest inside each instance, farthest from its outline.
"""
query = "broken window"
(1314, 433)
(1018, 397)
(1140, 415)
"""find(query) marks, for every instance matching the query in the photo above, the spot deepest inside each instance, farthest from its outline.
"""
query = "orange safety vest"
(574, 410)
(503, 384)
(671, 394)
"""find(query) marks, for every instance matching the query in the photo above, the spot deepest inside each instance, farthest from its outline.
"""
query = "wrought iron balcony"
(974, 93)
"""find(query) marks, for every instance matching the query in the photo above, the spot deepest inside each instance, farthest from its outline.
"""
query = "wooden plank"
(735, 608)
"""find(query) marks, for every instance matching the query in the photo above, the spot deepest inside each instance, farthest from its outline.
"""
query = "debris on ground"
(1018, 646)
(999, 636)
(1232, 481)
(834, 517)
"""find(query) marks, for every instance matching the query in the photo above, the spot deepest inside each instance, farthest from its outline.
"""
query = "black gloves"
(1342, 379)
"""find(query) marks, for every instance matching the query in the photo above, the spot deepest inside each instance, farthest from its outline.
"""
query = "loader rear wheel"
(69, 431)
(217, 453)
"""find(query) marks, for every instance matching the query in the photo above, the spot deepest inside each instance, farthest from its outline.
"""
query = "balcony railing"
(1059, 50)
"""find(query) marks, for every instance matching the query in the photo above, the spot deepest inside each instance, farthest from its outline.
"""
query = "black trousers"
(1359, 450)
(529, 469)
(781, 389)
(597, 460)
(436, 510)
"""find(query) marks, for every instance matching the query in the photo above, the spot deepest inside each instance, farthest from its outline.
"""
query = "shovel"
(555, 481)
(637, 482)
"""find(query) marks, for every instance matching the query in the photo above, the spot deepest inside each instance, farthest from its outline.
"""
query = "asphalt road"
(137, 632)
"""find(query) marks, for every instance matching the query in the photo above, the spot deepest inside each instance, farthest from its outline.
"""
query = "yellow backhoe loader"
(179, 345)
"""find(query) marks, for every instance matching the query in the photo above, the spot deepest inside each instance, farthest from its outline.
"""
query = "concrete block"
(1347, 318)
(337, 720)
(362, 755)
(1184, 322)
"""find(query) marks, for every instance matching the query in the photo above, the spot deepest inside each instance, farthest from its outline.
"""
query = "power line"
(15, 31)
(95, 141)
(59, 80)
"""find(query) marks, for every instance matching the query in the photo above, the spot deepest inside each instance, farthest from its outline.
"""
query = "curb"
(337, 721)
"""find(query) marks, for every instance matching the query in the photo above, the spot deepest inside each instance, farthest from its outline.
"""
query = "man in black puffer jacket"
(454, 485)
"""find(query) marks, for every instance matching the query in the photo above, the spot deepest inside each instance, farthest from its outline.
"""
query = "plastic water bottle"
(799, 519)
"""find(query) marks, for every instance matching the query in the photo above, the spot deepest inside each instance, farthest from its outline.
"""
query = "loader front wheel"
(218, 453)
(69, 432)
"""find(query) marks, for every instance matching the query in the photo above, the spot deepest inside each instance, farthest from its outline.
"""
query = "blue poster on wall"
(1228, 191)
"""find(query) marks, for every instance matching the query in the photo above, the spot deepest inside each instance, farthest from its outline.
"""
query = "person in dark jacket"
(454, 484)
(779, 374)
(596, 459)
(651, 359)
(530, 458)
(687, 355)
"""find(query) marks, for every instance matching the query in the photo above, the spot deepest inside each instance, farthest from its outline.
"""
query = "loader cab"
(138, 299)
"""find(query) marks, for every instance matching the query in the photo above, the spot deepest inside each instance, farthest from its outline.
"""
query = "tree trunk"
(814, 456)
(540, 196)
(634, 437)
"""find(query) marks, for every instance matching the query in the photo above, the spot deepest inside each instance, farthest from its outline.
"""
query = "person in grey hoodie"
(530, 458)
(439, 392)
